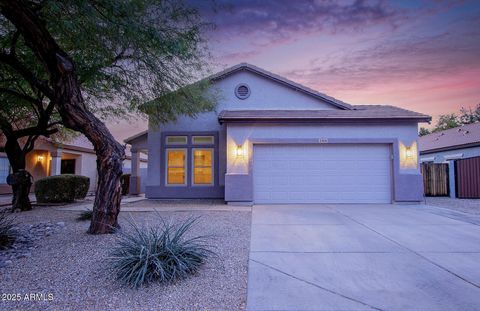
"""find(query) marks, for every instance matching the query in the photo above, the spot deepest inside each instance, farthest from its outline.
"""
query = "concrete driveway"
(363, 257)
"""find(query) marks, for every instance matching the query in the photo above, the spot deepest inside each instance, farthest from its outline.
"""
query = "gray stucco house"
(272, 140)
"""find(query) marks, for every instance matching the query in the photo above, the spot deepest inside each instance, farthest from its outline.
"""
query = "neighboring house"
(458, 149)
(52, 158)
(271, 140)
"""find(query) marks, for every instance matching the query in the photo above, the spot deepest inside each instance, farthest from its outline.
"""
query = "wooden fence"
(467, 175)
(435, 179)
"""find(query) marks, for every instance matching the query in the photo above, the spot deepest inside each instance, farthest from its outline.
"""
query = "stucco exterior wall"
(407, 180)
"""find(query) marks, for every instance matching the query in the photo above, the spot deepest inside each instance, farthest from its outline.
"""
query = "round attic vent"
(242, 91)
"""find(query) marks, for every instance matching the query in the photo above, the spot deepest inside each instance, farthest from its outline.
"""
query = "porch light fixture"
(40, 158)
(240, 152)
(408, 153)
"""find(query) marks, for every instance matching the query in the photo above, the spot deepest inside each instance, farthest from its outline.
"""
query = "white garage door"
(334, 173)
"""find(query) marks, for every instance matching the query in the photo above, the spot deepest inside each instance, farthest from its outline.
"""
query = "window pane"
(176, 140)
(176, 176)
(202, 157)
(202, 176)
(203, 166)
(176, 172)
(203, 140)
(4, 170)
(176, 158)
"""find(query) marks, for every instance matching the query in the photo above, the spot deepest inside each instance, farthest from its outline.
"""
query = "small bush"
(158, 254)
(7, 232)
(61, 188)
(85, 215)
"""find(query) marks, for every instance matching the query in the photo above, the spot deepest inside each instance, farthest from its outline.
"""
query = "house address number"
(323, 140)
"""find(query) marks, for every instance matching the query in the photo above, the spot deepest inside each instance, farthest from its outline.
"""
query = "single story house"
(52, 158)
(452, 157)
(272, 140)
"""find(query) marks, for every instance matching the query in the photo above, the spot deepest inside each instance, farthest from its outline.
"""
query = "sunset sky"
(420, 55)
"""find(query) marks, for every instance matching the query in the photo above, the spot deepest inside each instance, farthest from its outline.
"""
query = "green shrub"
(85, 215)
(158, 254)
(61, 188)
(7, 232)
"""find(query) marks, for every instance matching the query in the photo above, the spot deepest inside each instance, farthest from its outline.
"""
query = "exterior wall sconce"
(408, 153)
(240, 151)
(40, 158)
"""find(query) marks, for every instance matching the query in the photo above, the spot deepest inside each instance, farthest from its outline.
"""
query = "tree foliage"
(423, 131)
(108, 57)
(452, 120)
(125, 53)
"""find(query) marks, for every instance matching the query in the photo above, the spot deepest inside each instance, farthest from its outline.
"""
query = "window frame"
(212, 167)
(212, 143)
(176, 143)
(185, 167)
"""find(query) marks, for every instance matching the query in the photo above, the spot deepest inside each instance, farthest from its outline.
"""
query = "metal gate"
(435, 179)
(467, 173)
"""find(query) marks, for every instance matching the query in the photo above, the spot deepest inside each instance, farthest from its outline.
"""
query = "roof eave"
(314, 120)
(453, 147)
(128, 140)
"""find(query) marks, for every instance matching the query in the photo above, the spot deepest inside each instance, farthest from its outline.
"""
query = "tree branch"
(20, 95)
(12, 61)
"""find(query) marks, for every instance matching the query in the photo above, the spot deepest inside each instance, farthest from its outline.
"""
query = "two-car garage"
(322, 173)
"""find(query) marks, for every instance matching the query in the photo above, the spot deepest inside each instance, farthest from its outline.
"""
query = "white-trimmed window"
(176, 163)
(203, 140)
(4, 170)
(202, 166)
(176, 140)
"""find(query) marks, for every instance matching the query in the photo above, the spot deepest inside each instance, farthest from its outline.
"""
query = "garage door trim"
(388, 143)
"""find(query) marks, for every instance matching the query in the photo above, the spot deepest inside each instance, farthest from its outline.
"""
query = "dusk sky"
(420, 55)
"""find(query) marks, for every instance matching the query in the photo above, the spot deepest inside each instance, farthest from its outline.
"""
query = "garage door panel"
(322, 174)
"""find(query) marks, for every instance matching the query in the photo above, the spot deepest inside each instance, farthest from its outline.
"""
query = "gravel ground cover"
(66, 270)
(470, 206)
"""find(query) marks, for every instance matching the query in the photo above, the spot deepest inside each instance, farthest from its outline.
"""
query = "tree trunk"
(20, 180)
(68, 99)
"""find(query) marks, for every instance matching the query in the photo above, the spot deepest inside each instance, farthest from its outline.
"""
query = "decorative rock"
(26, 237)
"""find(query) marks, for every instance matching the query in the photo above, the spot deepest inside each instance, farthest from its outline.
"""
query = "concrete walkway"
(363, 257)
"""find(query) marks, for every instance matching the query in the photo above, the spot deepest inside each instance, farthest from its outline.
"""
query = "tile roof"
(357, 113)
(450, 139)
(262, 72)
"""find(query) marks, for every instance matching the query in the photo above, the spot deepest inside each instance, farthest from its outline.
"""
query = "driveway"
(363, 257)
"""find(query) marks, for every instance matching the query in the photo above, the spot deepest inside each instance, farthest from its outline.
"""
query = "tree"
(469, 115)
(423, 131)
(107, 57)
(452, 120)
(446, 121)
(23, 117)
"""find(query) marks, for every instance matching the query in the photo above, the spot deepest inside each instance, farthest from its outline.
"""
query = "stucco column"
(451, 178)
(56, 166)
(135, 173)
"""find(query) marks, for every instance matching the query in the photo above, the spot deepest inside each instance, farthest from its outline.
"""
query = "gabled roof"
(455, 138)
(357, 113)
(269, 75)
